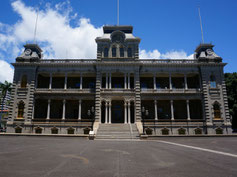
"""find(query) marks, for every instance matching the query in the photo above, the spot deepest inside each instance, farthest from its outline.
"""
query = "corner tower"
(118, 42)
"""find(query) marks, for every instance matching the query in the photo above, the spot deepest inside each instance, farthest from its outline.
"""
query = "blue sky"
(67, 29)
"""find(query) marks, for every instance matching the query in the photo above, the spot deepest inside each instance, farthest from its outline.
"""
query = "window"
(21, 107)
(121, 52)
(106, 52)
(23, 81)
(217, 111)
(113, 52)
(129, 52)
(213, 81)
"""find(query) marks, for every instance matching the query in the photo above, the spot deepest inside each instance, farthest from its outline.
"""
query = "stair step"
(117, 131)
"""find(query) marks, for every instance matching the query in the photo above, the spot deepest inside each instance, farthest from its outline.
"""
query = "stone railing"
(68, 61)
(145, 61)
(167, 61)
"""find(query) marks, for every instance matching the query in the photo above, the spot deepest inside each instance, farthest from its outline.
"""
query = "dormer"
(205, 53)
(118, 43)
(31, 53)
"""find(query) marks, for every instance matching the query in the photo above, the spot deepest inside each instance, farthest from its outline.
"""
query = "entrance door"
(117, 112)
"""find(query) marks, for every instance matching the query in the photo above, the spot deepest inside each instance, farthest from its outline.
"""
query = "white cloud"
(54, 32)
(56, 36)
(6, 72)
(155, 54)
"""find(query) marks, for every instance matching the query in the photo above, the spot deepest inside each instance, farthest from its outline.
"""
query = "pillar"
(106, 83)
(188, 110)
(110, 104)
(81, 80)
(185, 82)
(50, 81)
(125, 81)
(156, 115)
(79, 110)
(172, 109)
(128, 80)
(129, 112)
(65, 82)
(106, 112)
(64, 109)
(154, 81)
(170, 81)
(48, 110)
(110, 81)
(125, 112)
(33, 110)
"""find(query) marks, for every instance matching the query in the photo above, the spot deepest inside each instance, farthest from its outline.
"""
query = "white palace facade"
(154, 96)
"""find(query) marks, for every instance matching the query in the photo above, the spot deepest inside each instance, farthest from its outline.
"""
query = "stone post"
(79, 110)
(188, 110)
(129, 112)
(172, 109)
(64, 109)
(170, 81)
(156, 116)
(48, 110)
(125, 112)
(110, 104)
(65, 82)
(50, 81)
(125, 81)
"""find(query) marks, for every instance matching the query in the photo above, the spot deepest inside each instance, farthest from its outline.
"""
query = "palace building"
(153, 96)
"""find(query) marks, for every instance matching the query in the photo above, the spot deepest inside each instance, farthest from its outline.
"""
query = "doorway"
(117, 111)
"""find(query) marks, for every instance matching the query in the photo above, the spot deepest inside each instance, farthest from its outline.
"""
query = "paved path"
(66, 157)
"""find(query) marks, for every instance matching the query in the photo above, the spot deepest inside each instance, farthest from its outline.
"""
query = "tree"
(231, 87)
(5, 88)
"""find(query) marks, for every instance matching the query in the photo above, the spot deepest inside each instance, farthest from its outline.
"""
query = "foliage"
(231, 87)
(5, 88)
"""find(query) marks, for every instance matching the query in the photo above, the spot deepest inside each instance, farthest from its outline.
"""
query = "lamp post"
(145, 114)
(91, 112)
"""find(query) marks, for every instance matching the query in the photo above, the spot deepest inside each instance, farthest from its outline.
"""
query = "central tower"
(118, 42)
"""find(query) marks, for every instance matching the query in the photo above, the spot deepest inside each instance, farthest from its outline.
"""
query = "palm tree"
(5, 88)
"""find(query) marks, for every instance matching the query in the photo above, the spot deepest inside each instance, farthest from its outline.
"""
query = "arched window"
(114, 52)
(21, 107)
(217, 111)
(121, 52)
(129, 52)
(106, 52)
(23, 81)
(213, 81)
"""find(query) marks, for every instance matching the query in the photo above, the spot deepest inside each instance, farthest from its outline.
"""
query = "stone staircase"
(117, 131)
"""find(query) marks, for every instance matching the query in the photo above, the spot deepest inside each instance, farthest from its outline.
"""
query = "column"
(185, 82)
(154, 81)
(81, 80)
(106, 112)
(170, 81)
(50, 81)
(65, 82)
(64, 109)
(129, 112)
(172, 109)
(106, 84)
(110, 82)
(188, 110)
(110, 112)
(125, 81)
(128, 80)
(156, 115)
(79, 110)
(125, 112)
(33, 110)
(48, 110)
